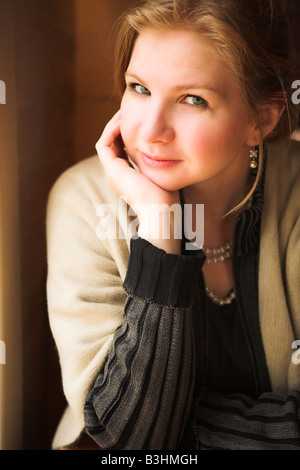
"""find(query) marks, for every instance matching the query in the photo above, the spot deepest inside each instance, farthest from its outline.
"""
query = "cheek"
(213, 136)
(201, 139)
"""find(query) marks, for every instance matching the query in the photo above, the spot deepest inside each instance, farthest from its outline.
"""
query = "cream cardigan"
(86, 272)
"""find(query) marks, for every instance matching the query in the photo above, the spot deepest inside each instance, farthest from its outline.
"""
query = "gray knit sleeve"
(238, 422)
(142, 397)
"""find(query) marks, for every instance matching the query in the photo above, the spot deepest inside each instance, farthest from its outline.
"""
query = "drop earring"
(253, 156)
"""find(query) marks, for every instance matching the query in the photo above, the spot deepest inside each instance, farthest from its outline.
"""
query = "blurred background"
(56, 59)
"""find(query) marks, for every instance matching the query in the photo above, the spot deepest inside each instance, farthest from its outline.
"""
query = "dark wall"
(44, 58)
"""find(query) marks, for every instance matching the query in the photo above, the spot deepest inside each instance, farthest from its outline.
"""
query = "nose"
(157, 125)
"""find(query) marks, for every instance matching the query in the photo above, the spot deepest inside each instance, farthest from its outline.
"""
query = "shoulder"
(282, 185)
(81, 175)
(283, 168)
(83, 183)
(81, 205)
(284, 158)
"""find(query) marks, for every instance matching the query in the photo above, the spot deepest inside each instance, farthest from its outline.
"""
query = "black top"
(229, 367)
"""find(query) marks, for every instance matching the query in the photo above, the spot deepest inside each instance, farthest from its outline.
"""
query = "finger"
(110, 132)
(119, 148)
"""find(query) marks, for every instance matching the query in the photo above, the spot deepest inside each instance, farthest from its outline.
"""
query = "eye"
(194, 100)
(140, 89)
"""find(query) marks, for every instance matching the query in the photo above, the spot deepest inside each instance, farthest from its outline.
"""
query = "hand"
(150, 202)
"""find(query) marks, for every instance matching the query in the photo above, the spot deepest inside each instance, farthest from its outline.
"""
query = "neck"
(218, 199)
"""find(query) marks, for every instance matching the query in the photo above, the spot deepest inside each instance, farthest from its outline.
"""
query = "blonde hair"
(254, 39)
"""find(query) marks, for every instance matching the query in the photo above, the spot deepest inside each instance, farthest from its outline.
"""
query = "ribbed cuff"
(160, 277)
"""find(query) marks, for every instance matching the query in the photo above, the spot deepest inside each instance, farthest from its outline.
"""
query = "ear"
(270, 116)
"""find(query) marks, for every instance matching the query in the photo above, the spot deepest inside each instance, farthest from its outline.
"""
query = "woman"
(165, 344)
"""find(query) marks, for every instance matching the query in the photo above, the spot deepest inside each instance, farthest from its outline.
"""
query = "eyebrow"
(178, 88)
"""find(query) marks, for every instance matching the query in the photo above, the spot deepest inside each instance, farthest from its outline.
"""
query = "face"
(183, 121)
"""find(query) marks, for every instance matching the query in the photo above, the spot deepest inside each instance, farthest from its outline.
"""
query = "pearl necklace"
(216, 300)
(219, 254)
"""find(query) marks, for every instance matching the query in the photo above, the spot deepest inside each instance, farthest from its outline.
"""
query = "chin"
(166, 185)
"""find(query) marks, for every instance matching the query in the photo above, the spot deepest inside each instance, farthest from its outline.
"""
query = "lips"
(158, 161)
